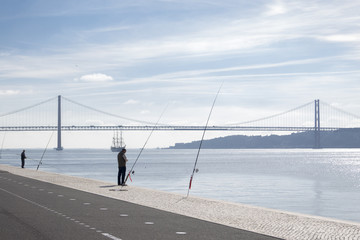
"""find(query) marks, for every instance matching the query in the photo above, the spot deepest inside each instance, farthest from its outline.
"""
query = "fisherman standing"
(121, 157)
(23, 159)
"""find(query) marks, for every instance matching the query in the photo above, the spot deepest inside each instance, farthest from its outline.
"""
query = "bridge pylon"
(59, 147)
(317, 124)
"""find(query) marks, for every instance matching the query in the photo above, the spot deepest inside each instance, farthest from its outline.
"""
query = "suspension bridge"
(63, 114)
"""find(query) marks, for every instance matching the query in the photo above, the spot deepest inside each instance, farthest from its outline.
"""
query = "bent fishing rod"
(40, 162)
(131, 170)
(202, 139)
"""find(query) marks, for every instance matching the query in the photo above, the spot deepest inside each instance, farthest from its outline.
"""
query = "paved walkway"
(40, 210)
(214, 213)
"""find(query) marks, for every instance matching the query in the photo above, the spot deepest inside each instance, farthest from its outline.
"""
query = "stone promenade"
(268, 222)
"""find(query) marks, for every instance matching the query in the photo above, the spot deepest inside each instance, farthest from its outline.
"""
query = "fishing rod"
(131, 170)
(40, 162)
(197, 156)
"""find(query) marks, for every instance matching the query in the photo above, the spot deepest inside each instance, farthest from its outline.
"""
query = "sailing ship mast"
(118, 142)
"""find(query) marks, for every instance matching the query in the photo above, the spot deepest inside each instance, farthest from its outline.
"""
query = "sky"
(137, 57)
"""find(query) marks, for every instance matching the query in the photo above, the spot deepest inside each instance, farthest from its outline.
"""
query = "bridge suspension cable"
(27, 108)
(334, 116)
(109, 114)
(340, 110)
(272, 116)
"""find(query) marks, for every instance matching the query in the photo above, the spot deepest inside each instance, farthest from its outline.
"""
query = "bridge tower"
(59, 147)
(317, 124)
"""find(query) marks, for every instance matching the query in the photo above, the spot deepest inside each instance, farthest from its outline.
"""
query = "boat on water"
(118, 142)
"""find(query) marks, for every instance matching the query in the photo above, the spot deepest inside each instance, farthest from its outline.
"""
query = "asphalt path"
(31, 209)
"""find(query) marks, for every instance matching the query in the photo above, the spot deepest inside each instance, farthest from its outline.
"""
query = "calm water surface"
(317, 182)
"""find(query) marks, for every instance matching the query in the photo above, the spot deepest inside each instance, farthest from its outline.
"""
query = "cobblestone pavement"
(256, 219)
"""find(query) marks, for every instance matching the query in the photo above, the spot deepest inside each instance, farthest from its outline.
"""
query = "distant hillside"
(343, 138)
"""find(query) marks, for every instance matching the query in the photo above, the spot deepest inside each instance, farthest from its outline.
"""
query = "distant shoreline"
(348, 138)
(342, 138)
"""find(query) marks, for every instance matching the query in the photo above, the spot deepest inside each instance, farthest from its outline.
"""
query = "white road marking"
(149, 223)
(110, 236)
(181, 233)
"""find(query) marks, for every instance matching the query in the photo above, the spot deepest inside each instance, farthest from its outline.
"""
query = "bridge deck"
(162, 128)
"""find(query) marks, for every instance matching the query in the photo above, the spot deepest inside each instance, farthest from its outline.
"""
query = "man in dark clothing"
(121, 157)
(23, 159)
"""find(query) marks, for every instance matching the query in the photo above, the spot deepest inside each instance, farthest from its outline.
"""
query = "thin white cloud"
(276, 8)
(341, 38)
(144, 112)
(95, 77)
(107, 29)
(241, 68)
(9, 92)
(131, 102)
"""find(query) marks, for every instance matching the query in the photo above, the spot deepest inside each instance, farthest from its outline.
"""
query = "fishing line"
(27, 158)
(197, 156)
(40, 162)
(131, 170)
(34, 160)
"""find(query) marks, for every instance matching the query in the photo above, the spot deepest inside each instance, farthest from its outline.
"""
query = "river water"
(323, 182)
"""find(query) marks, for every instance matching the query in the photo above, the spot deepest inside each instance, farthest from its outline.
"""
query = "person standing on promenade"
(23, 159)
(122, 159)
